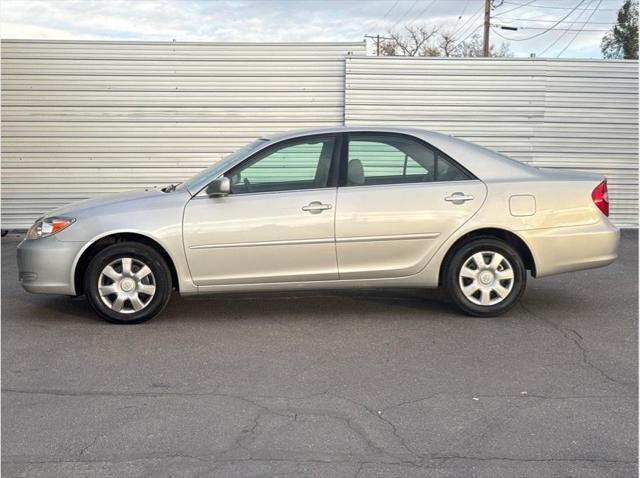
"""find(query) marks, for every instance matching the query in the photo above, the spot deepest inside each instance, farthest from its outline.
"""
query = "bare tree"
(388, 48)
(408, 43)
(423, 41)
(430, 50)
(448, 44)
(473, 48)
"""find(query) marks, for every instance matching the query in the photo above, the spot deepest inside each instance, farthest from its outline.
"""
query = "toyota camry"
(343, 207)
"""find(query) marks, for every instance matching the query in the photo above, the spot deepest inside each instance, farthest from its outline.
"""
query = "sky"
(578, 35)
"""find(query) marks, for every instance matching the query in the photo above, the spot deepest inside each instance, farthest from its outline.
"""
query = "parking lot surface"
(347, 384)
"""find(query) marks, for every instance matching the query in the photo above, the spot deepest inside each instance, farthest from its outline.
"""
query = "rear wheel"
(485, 277)
(127, 283)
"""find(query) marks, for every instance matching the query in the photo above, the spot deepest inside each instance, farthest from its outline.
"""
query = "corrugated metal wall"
(577, 114)
(85, 118)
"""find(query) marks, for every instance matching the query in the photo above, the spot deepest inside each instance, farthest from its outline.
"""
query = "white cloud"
(21, 30)
(281, 20)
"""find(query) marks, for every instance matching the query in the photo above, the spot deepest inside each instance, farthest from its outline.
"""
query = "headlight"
(49, 226)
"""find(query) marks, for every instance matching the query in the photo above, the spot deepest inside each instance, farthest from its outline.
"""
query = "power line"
(422, 12)
(405, 14)
(468, 22)
(542, 15)
(464, 9)
(519, 6)
(561, 36)
(549, 21)
(554, 7)
(582, 29)
(546, 30)
(592, 30)
(377, 24)
(468, 32)
(392, 7)
(469, 35)
(567, 29)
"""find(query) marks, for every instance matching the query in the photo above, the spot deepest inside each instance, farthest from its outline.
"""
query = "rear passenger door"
(399, 200)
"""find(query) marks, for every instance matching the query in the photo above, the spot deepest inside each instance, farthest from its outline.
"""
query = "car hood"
(118, 200)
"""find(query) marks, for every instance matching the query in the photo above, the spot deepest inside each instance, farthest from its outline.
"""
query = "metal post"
(487, 23)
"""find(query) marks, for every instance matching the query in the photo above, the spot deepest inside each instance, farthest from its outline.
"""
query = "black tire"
(462, 255)
(138, 252)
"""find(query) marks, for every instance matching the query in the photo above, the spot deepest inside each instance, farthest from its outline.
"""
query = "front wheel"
(485, 277)
(128, 283)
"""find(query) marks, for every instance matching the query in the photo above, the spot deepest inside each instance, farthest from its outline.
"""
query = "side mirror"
(219, 187)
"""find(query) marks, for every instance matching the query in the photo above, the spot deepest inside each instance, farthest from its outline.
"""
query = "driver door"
(276, 225)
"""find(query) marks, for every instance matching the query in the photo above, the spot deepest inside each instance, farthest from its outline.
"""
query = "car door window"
(303, 164)
(447, 170)
(394, 159)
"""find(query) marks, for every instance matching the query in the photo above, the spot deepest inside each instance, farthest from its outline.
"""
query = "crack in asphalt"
(455, 396)
(378, 416)
(293, 413)
(577, 339)
(287, 411)
(124, 393)
(531, 460)
(245, 435)
(84, 449)
(215, 459)
(527, 396)
(313, 363)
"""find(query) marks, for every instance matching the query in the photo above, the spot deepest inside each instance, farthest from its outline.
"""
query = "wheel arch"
(495, 233)
(100, 243)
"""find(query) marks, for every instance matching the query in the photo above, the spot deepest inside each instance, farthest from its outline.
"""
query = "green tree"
(622, 40)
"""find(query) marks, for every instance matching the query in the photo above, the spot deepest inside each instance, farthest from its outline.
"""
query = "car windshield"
(212, 171)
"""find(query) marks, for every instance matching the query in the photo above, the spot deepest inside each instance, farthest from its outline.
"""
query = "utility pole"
(377, 38)
(487, 24)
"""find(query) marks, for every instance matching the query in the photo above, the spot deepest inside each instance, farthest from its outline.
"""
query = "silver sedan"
(328, 208)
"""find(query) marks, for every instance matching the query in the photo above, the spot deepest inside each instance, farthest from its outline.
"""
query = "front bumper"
(566, 249)
(45, 265)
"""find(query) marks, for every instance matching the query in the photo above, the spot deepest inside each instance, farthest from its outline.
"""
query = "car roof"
(346, 129)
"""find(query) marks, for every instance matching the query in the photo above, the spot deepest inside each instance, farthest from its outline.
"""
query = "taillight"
(600, 197)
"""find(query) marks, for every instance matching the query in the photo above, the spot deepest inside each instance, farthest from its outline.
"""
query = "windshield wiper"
(170, 188)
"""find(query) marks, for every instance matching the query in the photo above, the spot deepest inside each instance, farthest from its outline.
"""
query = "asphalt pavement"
(346, 384)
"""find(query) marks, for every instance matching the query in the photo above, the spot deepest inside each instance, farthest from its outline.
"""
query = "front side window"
(302, 164)
(390, 159)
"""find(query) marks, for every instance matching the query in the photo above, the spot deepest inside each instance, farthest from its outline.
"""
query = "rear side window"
(394, 159)
(449, 171)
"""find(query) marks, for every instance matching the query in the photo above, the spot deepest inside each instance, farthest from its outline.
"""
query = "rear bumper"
(45, 265)
(567, 249)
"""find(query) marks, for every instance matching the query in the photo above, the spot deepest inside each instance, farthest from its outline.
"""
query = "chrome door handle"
(316, 207)
(458, 198)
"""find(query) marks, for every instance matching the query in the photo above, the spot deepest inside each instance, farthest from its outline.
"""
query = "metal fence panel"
(83, 118)
(578, 114)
